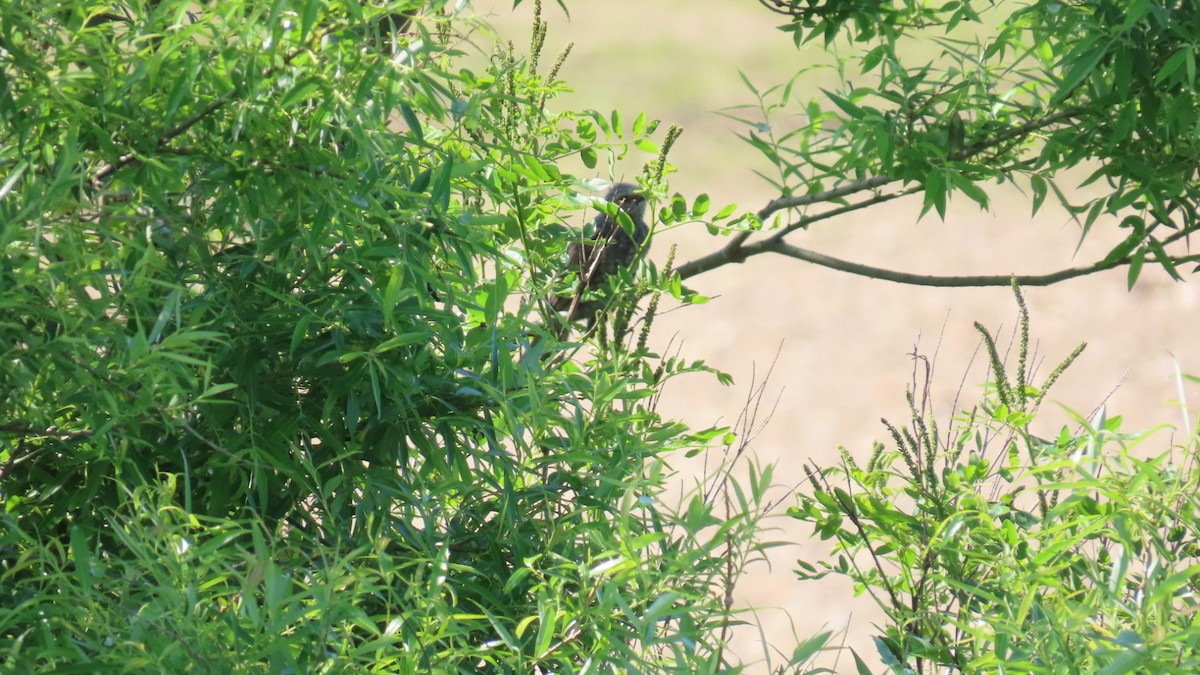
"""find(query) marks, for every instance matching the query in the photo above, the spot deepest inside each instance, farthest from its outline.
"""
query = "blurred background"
(844, 342)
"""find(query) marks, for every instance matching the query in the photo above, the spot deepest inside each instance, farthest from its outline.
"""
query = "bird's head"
(629, 198)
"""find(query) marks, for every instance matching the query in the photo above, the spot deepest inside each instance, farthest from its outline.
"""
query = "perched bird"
(609, 249)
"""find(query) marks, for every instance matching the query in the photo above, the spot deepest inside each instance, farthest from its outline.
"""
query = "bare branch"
(940, 281)
(734, 253)
(826, 196)
(954, 281)
(877, 199)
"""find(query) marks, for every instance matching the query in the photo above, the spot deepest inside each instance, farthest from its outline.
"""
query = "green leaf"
(1161, 256)
(586, 130)
(847, 107)
(1135, 266)
(935, 194)
(639, 125)
(1040, 189)
(873, 57)
(1174, 63)
(749, 85)
(1122, 69)
(646, 145)
(410, 338)
(970, 189)
(216, 390)
(679, 207)
(13, 178)
(303, 90)
(414, 124)
(299, 331)
(442, 185)
(1082, 67)
(1127, 246)
(308, 17)
(81, 554)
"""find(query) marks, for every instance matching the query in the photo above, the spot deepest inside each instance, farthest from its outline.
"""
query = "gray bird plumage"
(610, 246)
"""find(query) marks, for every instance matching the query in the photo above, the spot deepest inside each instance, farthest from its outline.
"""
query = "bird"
(609, 249)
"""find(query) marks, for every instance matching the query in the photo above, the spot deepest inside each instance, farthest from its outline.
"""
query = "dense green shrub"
(993, 549)
(280, 393)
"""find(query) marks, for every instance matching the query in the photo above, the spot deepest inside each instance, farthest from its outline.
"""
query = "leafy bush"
(945, 99)
(992, 549)
(281, 393)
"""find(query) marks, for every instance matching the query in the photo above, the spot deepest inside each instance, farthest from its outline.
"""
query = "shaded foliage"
(278, 393)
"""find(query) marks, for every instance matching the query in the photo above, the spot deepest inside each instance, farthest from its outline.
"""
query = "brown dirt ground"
(844, 340)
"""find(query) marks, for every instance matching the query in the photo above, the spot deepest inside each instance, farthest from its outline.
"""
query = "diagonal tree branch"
(783, 248)
(825, 196)
(942, 281)
(737, 249)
